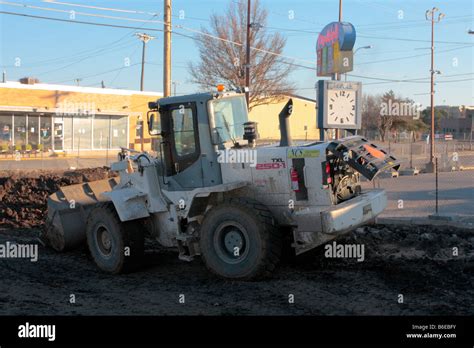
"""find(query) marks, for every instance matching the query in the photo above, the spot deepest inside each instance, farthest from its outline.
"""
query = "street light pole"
(360, 48)
(247, 59)
(430, 15)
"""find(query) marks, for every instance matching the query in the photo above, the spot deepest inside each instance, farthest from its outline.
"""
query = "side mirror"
(154, 126)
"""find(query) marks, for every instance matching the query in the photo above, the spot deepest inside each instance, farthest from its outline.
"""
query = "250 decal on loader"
(235, 215)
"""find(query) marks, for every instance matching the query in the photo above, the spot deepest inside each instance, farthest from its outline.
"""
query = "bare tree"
(222, 61)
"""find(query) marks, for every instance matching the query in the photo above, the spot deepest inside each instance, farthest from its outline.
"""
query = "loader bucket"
(68, 209)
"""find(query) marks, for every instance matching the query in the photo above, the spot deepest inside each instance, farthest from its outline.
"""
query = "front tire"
(239, 240)
(115, 246)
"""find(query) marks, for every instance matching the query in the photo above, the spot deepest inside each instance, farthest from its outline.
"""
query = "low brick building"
(461, 127)
(37, 117)
(45, 117)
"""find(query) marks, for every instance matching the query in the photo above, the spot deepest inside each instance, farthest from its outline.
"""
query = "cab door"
(180, 146)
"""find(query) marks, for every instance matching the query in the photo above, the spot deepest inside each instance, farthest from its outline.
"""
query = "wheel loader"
(214, 190)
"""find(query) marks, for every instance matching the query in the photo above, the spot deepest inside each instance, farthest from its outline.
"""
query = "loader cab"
(192, 129)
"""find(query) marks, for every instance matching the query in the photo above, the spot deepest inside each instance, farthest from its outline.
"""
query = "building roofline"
(78, 89)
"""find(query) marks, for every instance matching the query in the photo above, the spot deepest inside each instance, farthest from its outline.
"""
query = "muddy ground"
(23, 195)
(415, 261)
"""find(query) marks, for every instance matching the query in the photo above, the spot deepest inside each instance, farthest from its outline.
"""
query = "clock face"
(341, 106)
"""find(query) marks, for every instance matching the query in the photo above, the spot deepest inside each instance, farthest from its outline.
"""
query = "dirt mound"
(23, 200)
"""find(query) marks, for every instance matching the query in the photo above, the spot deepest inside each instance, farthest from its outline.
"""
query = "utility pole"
(175, 83)
(430, 16)
(144, 38)
(247, 60)
(167, 49)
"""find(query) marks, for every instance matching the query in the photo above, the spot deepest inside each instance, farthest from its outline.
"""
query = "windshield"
(230, 114)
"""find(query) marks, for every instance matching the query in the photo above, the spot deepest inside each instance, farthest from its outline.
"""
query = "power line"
(94, 75)
(152, 21)
(413, 56)
(73, 13)
(383, 24)
(108, 47)
(413, 40)
(118, 10)
(77, 22)
(191, 37)
(68, 65)
(101, 8)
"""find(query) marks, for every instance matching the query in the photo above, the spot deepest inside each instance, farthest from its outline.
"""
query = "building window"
(33, 131)
(68, 132)
(82, 126)
(19, 133)
(139, 129)
(45, 132)
(118, 134)
(101, 132)
(5, 131)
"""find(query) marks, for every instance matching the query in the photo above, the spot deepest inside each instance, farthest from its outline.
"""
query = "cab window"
(183, 129)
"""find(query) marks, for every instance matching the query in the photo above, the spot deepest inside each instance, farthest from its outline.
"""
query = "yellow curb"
(49, 158)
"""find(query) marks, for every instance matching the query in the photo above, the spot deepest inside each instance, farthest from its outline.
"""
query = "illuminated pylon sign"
(334, 48)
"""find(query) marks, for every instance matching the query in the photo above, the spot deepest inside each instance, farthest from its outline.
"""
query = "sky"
(397, 31)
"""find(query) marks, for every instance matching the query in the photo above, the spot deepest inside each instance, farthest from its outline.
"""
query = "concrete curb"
(409, 171)
(459, 222)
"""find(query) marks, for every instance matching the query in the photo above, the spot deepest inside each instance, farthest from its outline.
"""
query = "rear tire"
(115, 246)
(239, 240)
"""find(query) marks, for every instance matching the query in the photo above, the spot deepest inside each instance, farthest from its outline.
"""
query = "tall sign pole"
(340, 10)
(247, 59)
(338, 102)
(338, 76)
(167, 49)
(430, 15)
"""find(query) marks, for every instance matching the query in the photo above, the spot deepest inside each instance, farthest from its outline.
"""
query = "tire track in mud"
(415, 261)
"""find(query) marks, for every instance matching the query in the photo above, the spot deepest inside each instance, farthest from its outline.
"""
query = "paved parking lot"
(414, 196)
(58, 163)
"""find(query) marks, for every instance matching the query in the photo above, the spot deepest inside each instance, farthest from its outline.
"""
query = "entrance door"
(58, 132)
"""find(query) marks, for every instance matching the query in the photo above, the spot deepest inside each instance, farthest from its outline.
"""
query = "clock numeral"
(330, 106)
(353, 107)
(342, 120)
(343, 93)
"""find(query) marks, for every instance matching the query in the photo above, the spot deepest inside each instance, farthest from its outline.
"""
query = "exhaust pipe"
(285, 113)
